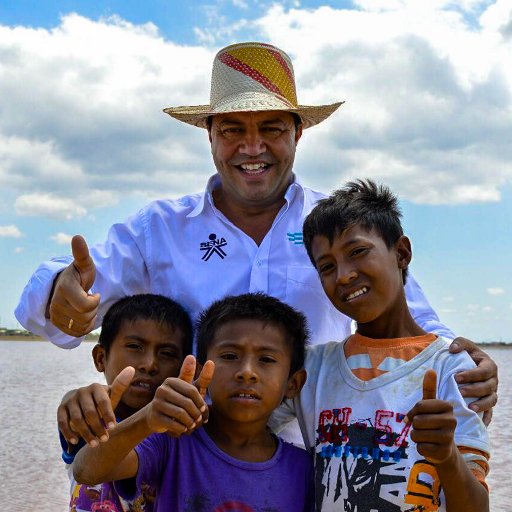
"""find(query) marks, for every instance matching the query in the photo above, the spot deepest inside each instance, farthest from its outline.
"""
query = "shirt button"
(258, 263)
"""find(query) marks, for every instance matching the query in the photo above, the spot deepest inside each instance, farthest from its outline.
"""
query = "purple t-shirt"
(191, 474)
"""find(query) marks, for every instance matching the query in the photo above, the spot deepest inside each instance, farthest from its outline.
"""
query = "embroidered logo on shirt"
(214, 246)
(295, 238)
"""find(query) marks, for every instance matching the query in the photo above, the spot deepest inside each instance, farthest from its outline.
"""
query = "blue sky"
(428, 90)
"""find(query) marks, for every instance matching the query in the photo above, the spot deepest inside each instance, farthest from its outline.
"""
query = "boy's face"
(363, 277)
(252, 367)
(154, 350)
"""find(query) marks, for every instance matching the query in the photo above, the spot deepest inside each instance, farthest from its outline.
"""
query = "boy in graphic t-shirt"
(385, 433)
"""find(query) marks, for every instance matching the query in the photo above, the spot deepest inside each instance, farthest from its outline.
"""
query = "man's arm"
(433, 431)
(120, 271)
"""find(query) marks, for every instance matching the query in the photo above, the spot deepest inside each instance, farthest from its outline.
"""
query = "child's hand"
(87, 412)
(433, 423)
(179, 406)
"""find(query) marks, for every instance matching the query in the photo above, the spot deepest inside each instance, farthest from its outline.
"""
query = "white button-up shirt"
(188, 250)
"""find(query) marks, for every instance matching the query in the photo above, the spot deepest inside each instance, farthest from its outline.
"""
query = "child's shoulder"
(447, 363)
(323, 354)
(295, 454)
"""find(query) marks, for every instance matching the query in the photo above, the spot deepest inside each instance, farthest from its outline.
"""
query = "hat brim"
(199, 114)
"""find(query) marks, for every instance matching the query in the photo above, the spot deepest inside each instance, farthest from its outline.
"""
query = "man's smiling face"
(254, 153)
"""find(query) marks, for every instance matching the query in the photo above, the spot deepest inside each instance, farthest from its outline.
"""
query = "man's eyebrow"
(230, 121)
(274, 121)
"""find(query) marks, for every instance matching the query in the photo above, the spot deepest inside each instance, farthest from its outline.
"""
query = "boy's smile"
(154, 350)
(363, 278)
(252, 366)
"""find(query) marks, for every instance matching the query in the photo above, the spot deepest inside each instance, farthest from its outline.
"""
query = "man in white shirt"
(243, 234)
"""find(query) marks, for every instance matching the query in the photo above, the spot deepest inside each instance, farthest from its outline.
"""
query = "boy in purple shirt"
(252, 347)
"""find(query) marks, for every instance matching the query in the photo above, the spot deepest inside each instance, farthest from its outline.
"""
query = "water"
(35, 375)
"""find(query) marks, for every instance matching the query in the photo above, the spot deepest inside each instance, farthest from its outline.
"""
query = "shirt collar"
(214, 181)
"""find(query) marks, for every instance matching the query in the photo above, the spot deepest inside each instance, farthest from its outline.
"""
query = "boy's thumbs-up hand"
(179, 406)
(120, 384)
(430, 385)
(433, 423)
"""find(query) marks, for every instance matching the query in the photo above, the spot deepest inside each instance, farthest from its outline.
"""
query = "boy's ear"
(99, 356)
(403, 252)
(295, 383)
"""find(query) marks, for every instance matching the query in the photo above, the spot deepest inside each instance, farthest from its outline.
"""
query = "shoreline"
(94, 337)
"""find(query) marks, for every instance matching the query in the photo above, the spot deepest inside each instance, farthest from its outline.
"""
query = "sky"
(428, 91)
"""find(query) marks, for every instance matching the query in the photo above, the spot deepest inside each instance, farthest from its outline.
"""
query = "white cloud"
(447, 310)
(448, 299)
(34, 205)
(62, 238)
(495, 291)
(19, 250)
(10, 231)
(487, 309)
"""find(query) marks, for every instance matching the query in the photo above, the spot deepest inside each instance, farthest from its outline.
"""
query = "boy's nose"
(149, 364)
(346, 275)
(246, 372)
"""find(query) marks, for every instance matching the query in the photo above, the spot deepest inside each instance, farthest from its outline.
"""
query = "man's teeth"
(143, 385)
(245, 395)
(253, 167)
(357, 293)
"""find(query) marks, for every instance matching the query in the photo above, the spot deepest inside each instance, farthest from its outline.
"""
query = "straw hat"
(249, 77)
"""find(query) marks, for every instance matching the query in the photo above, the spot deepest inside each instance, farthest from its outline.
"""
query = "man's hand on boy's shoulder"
(178, 406)
(88, 412)
(482, 381)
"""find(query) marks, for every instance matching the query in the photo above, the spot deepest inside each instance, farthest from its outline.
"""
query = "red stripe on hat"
(240, 66)
(283, 63)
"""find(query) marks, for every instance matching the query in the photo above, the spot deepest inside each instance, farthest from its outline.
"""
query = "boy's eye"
(169, 354)
(134, 346)
(228, 356)
(267, 359)
(357, 251)
(325, 267)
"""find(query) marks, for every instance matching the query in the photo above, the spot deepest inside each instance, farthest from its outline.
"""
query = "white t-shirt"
(365, 460)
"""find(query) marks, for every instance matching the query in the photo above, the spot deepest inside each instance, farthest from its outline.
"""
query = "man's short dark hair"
(146, 306)
(297, 121)
(360, 202)
(254, 306)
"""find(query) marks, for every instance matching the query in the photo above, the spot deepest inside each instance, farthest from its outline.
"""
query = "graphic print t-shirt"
(365, 460)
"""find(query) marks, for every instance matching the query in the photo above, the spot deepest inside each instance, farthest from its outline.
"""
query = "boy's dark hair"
(254, 306)
(146, 306)
(360, 202)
